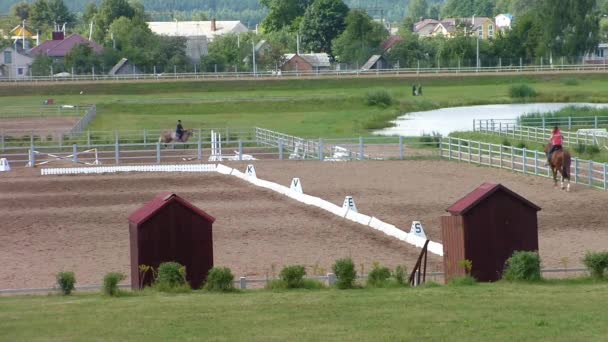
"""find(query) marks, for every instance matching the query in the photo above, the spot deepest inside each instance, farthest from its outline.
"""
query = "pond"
(448, 120)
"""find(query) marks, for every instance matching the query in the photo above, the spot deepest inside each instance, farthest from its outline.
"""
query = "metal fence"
(42, 111)
(319, 73)
(585, 172)
(511, 129)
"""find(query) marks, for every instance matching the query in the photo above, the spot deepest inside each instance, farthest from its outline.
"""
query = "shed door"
(452, 235)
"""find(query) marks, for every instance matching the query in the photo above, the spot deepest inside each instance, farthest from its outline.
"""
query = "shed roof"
(468, 202)
(144, 213)
(371, 62)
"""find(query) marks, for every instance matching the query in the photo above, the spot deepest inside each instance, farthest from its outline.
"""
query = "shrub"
(522, 266)
(571, 82)
(344, 269)
(593, 149)
(596, 263)
(433, 139)
(506, 142)
(378, 276)
(66, 281)
(293, 276)
(522, 91)
(220, 279)
(463, 281)
(171, 277)
(380, 98)
(110, 283)
(309, 284)
(521, 144)
(399, 275)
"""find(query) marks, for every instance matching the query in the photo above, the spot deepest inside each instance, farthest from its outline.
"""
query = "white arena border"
(369, 221)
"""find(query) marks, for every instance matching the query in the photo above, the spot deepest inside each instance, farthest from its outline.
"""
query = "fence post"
(595, 122)
(242, 283)
(321, 148)
(569, 123)
(227, 135)
(449, 148)
(500, 156)
(459, 149)
(575, 170)
(473, 125)
(590, 173)
(280, 149)
(61, 140)
(158, 152)
(199, 148)
(240, 150)
(499, 128)
(2, 140)
(543, 122)
(145, 136)
(88, 138)
(535, 162)
(478, 152)
(605, 176)
(74, 154)
(116, 152)
(525, 163)
(401, 148)
(32, 156)
(331, 279)
(361, 149)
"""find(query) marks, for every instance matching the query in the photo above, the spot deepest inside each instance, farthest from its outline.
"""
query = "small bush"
(293, 276)
(220, 279)
(66, 281)
(381, 98)
(171, 277)
(522, 266)
(345, 272)
(593, 149)
(571, 82)
(308, 284)
(506, 142)
(521, 144)
(522, 91)
(110, 283)
(596, 263)
(433, 139)
(378, 276)
(463, 281)
(399, 275)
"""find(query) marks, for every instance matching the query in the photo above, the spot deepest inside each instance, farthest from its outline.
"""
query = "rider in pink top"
(556, 142)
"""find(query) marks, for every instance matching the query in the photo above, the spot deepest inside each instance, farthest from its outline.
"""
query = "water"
(448, 120)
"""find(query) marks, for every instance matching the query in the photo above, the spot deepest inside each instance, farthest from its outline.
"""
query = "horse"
(560, 161)
(167, 137)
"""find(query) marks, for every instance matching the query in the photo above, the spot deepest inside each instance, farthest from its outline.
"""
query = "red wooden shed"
(486, 227)
(169, 228)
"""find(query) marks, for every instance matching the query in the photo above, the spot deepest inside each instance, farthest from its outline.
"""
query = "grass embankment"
(327, 108)
(556, 311)
(581, 117)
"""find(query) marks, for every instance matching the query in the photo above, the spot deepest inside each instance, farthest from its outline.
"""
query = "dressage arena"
(79, 223)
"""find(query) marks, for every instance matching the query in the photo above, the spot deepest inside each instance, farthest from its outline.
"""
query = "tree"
(21, 10)
(360, 39)
(90, 11)
(323, 21)
(40, 15)
(82, 59)
(60, 13)
(468, 8)
(281, 13)
(41, 66)
(435, 12)
(418, 9)
(110, 10)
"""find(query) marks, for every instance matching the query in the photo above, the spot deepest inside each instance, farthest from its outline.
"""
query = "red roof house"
(486, 227)
(169, 228)
(60, 47)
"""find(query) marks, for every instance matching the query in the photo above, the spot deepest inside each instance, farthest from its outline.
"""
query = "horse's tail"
(566, 165)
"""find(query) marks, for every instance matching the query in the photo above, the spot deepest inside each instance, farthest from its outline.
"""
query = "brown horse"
(560, 161)
(167, 137)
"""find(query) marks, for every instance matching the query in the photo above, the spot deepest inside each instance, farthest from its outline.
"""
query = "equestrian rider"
(179, 131)
(556, 143)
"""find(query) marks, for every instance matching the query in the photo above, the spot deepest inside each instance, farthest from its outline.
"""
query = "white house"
(599, 56)
(503, 21)
(13, 64)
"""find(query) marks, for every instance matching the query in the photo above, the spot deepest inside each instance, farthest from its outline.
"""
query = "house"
(425, 27)
(390, 43)
(198, 34)
(599, 56)
(309, 62)
(14, 65)
(482, 27)
(21, 33)
(59, 46)
(485, 227)
(503, 21)
(124, 67)
(376, 62)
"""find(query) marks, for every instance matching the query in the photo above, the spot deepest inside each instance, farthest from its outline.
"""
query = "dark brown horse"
(560, 161)
(167, 137)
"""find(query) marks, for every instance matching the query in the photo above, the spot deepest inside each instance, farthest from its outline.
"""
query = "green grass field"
(327, 108)
(550, 311)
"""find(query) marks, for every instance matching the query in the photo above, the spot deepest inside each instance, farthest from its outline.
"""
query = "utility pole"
(253, 49)
(477, 52)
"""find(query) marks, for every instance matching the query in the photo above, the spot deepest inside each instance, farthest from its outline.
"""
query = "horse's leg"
(554, 170)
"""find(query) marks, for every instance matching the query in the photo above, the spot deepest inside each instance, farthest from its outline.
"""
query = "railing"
(511, 129)
(84, 121)
(319, 73)
(585, 172)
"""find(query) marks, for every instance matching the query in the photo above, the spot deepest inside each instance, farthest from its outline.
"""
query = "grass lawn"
(327, 108)
(552, 311)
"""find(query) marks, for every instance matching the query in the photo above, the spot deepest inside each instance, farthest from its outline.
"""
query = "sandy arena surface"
(79, 223)
(33, 124)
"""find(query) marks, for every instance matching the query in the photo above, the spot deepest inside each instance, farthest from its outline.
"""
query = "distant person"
(179, 131)
(419, 90)
(414, 93)
(556, 142)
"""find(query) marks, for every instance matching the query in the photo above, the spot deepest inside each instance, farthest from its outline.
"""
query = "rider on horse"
(179, 131)
(556, 143)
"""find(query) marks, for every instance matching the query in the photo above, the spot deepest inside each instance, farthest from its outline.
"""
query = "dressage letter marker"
(417, 229)
(251, 171)
(349, 204)
(296, 185)
(4, 166)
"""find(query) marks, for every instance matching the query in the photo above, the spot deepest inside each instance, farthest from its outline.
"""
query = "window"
(8, 57)
(480, 33)
(491, 31)
(20, 71)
